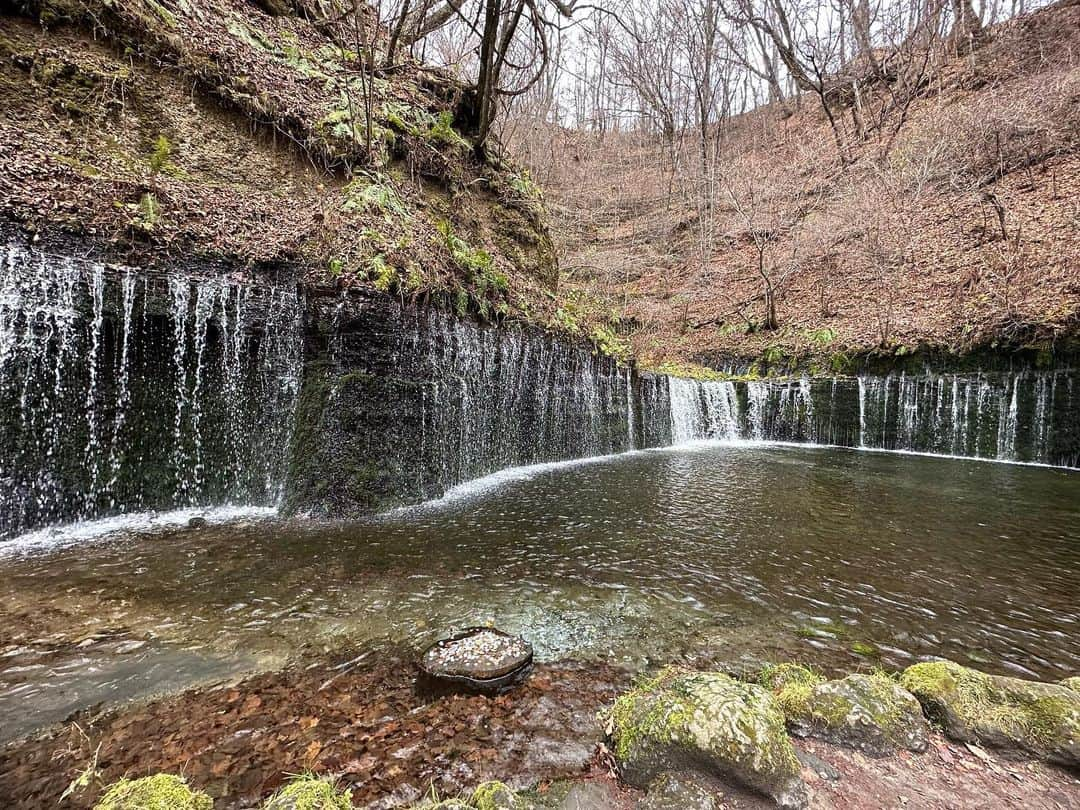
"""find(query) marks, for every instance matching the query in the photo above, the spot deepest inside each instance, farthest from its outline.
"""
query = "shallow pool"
(721, 554)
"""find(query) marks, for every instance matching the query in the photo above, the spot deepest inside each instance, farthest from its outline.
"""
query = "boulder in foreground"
(1010, 714)
(870, 713)
(686, 720)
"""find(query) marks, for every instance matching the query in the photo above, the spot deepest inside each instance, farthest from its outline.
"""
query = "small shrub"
(524, 186)
(145, 215)
(476, 261)
(442, 131)
(382, 274)
(368, 192)
(610, 343)
(159, 157)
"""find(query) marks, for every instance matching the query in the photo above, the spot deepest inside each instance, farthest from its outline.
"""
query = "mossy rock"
(309, 793)
(791, 685)
(158, 792)
(870, 713)
(706, 721)
(1010, 714)
(494, 796)
(1072, 683)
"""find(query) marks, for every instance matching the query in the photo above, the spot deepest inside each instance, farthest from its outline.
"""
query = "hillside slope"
(959, 232)
(155, 132)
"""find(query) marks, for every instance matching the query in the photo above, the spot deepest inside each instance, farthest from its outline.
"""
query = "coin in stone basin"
(480, 653)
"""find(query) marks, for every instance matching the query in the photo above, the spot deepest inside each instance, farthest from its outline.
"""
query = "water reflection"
(722, 554)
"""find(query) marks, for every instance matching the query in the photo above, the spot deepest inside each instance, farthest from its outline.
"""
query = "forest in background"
(770, 180)
(777, 179)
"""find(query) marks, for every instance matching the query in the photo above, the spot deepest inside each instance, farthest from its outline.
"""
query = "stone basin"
(477, 658)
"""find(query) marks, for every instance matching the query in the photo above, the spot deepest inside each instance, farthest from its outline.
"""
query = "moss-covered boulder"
(686, 720)
(1014, 715)
(870, 713)
(309, 793)
(159, 792)
(494, 796)
(1072, 683)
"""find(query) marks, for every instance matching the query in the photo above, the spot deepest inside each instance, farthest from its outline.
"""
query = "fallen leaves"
(367, 724)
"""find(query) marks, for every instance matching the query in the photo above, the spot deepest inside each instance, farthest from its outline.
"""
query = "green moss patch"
(870, 713)
(158, 792)
(494, 796)
(309, 793)
(791, 685)
(1007, 713)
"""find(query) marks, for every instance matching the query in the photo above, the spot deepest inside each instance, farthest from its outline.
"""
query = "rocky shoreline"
(574, 737)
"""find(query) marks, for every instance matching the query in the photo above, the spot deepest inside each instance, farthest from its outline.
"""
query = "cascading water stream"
(1025, 415)
(122, 390)
(119, 394)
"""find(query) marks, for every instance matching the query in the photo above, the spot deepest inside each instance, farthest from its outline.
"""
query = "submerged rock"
(678, 791)
(591, 794)
(588, 796)
(158, 792)
(1010, 714)
(870, 713)
(309, 793)
(685, 720)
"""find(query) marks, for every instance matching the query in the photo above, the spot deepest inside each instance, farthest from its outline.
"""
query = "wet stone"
(709, 723)
(1016, 716)
(479, 656)
(678, 791)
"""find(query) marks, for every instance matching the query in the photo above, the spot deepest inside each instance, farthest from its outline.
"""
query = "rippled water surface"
(722, 554)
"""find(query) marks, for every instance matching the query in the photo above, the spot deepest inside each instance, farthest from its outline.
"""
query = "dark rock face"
(124, 389)
(399, 405)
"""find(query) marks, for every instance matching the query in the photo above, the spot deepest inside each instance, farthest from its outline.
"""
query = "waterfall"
(408, 403)
(127, 390)
(118, 396)
(1023, 415)
(703, 410)
(1004, 415)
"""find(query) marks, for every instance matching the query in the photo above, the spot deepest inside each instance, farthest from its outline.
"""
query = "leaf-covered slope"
(953, 228)
(209, 128)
